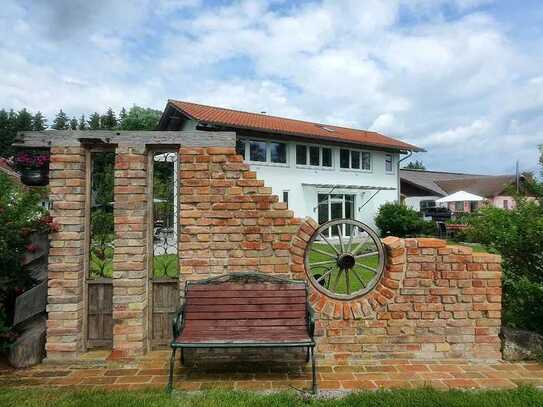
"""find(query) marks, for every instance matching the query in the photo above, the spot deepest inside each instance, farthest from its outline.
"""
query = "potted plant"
(34, 168)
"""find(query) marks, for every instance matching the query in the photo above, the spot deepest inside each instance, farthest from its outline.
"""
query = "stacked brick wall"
(433, 302)
(229, 220)
(66, 255)
(130, 254)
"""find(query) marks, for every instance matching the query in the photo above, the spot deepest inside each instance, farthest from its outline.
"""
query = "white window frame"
(320, 147)
(350, 169)
(268, 162)
(329, 206)
(391, 163)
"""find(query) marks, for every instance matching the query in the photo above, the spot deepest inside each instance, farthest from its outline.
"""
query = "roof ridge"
(445, 172)
(281, 117)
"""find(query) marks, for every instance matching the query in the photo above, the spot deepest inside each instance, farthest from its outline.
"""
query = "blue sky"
(462, 78)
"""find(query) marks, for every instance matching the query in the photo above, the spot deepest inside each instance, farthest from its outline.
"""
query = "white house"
(322, 171)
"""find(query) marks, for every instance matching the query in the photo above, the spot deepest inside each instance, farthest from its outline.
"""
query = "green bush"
(517, 235)
(398, 220)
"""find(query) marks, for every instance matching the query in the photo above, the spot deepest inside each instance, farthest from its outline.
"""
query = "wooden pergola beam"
(66, 138)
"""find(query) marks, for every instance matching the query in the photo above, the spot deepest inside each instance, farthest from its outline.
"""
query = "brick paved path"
(94, 371)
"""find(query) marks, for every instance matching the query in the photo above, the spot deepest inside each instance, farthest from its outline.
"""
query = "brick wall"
(433, 301)
(130, 281)
(66, 254)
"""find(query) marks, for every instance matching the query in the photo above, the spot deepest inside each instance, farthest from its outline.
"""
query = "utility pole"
(517, 177)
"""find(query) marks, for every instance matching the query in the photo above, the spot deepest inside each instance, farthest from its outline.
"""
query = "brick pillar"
(130, 255)
(66, 276)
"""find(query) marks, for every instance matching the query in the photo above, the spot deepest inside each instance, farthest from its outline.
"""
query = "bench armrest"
(310, 320)
(177, 322)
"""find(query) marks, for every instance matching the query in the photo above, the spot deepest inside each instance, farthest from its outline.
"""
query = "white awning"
(460, 196)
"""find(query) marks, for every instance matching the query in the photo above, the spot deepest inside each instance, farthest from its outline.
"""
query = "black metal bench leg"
(182, 357)
(314, 369)
(172, 366)
(307, 355)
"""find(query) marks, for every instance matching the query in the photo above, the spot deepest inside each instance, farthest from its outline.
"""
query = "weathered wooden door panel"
(100, 321)
(165, 304)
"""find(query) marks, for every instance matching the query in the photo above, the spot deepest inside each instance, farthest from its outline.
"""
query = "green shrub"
(398, 220)
(523, 304)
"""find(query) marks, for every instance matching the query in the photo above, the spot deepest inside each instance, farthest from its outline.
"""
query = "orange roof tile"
(280, 125)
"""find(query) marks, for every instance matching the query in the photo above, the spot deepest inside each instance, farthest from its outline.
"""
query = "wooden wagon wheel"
(344, 259)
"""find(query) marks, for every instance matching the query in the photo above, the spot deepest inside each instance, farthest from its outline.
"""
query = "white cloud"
(413, 69)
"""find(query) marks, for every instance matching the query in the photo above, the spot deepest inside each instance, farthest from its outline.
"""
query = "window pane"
(278, 152)
(301, 155)
(366, 161)
(314, 155)
(344, 158)
(322, 200)
(388, 163)
(257, 151)
(355, 159)
(285, 197)
(326, 157)
(240, 148)
(349, 212)
(336, 210)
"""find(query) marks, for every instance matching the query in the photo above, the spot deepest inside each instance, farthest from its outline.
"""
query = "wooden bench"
(241, 310)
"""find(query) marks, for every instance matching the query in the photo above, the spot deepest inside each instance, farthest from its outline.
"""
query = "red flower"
(31, 248)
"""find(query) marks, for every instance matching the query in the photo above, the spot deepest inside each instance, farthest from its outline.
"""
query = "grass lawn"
(525, 396)
(165, 265)
(365, 275)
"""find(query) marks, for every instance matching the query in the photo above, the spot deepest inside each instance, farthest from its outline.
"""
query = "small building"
(322, 171)
(420, 189)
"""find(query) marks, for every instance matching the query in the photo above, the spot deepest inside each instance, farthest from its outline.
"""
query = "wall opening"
(164, 258)
(100, 250)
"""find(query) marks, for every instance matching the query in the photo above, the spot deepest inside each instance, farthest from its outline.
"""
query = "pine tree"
(23, 121)
(82, 125)
(122, 117)
(94, 121)
(39, 122)
(61, 121)
(7, 133)
(109, 120)
(415, 165)
(73, 123)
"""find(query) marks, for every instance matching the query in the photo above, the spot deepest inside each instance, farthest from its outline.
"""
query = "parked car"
(437, 213)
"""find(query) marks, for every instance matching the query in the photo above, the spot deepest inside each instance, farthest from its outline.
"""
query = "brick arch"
(365, 306)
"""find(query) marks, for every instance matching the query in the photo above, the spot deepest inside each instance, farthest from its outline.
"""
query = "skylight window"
(326, 128)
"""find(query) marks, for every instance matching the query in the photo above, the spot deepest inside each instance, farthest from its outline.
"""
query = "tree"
(109, 120)
(61, 121)
(82, 125)
(94, 121)
(415, 165)
(23, 121)
(39, 122)
(139, 118)
(122, 117)
(73, 123)
(7, 133)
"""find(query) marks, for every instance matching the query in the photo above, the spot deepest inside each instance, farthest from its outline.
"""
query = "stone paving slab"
(95, 371)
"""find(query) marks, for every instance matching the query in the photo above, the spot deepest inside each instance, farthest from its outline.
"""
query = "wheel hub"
(346, 261)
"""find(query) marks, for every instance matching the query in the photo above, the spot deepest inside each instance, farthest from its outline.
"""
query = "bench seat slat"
(244, 315)
(202, 323)
(246, 286)
(240, 338)
(246, 300)
(258, 308)
(246, 293)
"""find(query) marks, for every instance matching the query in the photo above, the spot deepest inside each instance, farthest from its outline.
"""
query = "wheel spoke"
(337, 279)
(366, 267)
(358, 247)
(329, 244)
(350, 242)
(358, 278)
(324, 275)
(339, 231)
(321, 263)
(347, 282)
(366, 255)
(323, 252)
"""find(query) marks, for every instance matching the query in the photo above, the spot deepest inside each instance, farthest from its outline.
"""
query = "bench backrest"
(235, 308)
